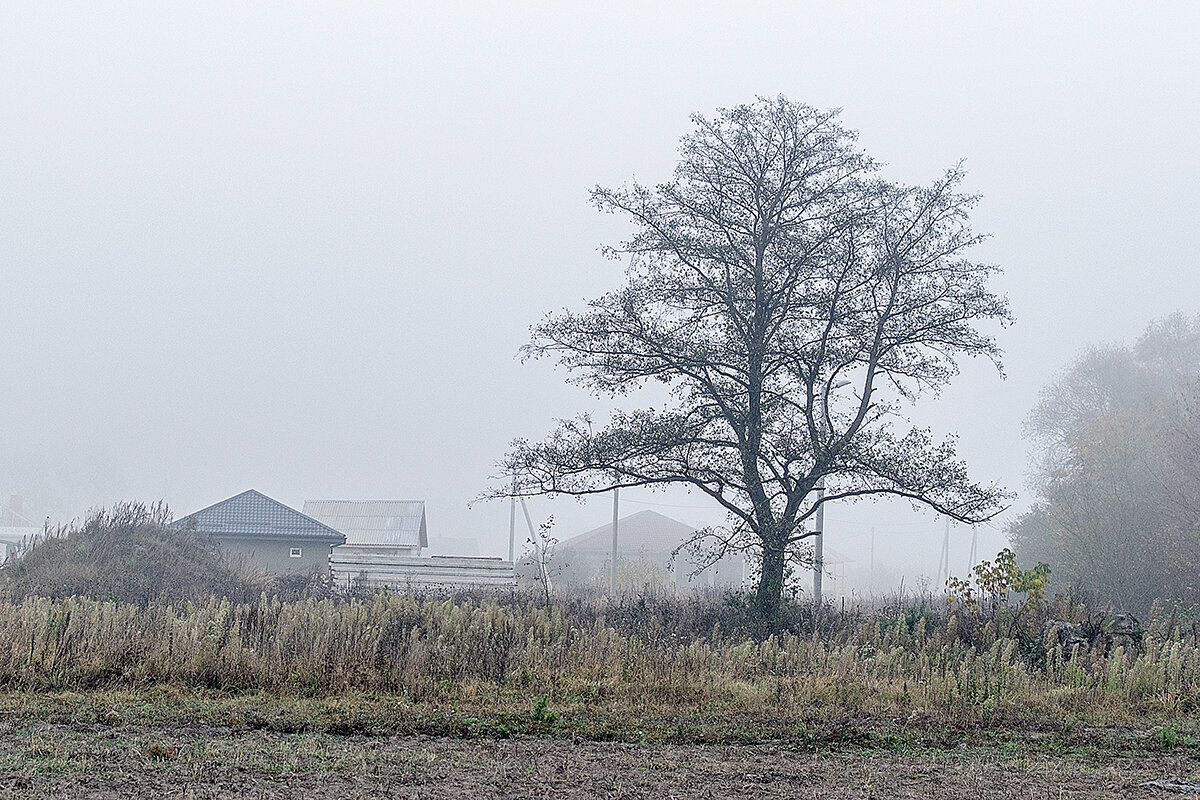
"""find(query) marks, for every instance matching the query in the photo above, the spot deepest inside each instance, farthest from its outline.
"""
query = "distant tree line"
(1117, 470)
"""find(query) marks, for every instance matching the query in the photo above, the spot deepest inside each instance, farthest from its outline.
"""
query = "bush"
(128, 555)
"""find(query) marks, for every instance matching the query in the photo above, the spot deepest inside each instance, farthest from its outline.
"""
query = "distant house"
(15, 528)
(260, 533)
(384, 540)
(12, 536)
(398, 524)
(645, 542)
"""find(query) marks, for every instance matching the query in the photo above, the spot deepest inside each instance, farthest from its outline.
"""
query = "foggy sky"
(296, 247)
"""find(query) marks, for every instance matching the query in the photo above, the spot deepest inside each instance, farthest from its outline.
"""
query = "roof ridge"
(222, 502)
(271, 504)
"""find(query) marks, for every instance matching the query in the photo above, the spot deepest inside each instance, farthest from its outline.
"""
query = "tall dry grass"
(639, 652)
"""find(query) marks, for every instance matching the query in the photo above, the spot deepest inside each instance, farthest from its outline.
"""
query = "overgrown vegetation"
(128, 555)
(649, 655)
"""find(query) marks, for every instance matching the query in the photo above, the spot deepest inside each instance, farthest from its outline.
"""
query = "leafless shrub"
(126, 554)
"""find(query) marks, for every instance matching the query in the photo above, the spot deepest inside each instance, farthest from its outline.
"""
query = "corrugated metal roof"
(252, 514)
(399, 523)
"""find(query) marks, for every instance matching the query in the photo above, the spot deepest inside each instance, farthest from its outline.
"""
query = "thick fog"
(296, 247)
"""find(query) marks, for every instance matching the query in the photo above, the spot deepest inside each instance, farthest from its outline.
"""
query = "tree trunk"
(770, 582)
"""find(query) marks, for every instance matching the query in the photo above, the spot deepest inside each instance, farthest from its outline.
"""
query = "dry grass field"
(402, 696)
(636, 652)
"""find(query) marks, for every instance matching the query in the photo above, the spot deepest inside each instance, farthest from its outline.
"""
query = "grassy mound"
(126, 554)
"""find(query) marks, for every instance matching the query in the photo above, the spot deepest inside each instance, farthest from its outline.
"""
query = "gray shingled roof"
(399, 523)
(252, 514)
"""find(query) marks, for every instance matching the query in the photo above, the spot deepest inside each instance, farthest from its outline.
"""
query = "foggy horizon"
(299, 251)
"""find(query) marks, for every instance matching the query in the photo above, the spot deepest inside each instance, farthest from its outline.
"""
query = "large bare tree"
(775, 267)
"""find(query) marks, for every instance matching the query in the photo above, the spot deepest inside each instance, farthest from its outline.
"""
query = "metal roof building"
(264, 533)
(384, 539)
(12, 536)
(397, 524)
(15, 528)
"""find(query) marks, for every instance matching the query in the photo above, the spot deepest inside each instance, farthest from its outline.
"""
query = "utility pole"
(974, 544)
(872, 573)
(944, 561)
(512, 524)
(818, 543)
(612, 566)
(539, 546)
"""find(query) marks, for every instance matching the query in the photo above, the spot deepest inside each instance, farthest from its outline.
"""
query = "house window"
(295, 552)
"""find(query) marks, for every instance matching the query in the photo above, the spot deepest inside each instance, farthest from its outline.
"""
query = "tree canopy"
(794, 302)
(1117, 470)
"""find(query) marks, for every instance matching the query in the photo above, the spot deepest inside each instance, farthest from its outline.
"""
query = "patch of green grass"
(272, 734)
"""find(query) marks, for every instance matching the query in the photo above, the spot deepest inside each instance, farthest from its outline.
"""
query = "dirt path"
(193, 762)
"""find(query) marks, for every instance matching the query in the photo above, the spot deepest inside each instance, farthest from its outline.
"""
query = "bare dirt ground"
(190, 762)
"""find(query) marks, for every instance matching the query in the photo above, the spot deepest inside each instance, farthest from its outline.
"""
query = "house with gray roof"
(257, 532)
